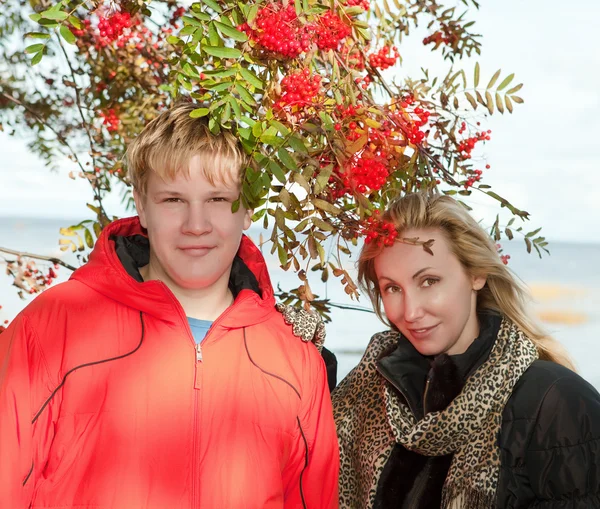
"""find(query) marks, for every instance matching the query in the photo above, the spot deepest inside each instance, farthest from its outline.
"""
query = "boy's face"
(193, 234)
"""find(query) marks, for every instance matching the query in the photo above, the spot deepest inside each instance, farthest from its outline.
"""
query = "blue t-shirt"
(199, 328)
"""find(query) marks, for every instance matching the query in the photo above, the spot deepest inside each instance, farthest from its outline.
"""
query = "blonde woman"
(464, 403)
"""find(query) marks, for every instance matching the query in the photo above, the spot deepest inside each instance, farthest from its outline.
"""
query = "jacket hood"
(113, 271)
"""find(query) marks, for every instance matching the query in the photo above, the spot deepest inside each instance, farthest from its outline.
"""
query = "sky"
(544, 158)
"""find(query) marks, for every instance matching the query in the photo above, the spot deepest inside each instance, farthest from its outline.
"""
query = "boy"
(161, 375)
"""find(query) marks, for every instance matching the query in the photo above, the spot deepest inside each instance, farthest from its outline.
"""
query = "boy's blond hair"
(167, 144)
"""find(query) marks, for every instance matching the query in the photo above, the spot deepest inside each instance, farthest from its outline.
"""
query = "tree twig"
(23, 254)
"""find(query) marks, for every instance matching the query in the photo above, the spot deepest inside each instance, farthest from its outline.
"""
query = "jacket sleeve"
(318, 468)
(563, 455)
(23, 384)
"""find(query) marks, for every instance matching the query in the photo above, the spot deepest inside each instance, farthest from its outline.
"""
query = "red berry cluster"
(111, 120)
(363, 82)
(362, 174)
(330, 31)
(359, 3)
(80, 32)
(377, 230)
(299, 88)
(382, 59)
(111, 29)
(476, 177)
(443, 36)
(279, 30)
(466, 146)
(418, 117)
(503, 257)
(177, 13)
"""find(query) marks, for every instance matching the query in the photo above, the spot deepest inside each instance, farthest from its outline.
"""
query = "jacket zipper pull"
(427, 382)
(198, 353)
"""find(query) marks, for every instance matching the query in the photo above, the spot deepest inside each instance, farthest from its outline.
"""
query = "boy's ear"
(248, 218)
(139, 205)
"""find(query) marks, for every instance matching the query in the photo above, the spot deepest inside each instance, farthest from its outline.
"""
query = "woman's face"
(430, 299)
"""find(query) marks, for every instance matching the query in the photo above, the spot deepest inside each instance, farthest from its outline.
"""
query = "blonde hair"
(477, 253)
(166, 145)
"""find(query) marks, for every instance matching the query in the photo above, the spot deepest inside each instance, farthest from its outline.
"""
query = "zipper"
(198, 360)
(391, 382)
(427, 383)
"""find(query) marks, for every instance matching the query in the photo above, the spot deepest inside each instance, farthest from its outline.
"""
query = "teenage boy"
(161, 376)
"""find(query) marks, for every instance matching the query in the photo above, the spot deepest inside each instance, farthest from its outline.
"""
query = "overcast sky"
(544, 157)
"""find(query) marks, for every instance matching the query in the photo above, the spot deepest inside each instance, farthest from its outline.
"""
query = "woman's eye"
(429, 282)
(392, 289)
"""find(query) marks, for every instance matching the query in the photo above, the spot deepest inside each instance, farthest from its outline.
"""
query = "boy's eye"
(219, 199)
(172, 200)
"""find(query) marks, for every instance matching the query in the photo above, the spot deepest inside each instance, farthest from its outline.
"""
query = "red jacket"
(105, 402)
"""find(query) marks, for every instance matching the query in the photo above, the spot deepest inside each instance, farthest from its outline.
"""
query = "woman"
(465, 403)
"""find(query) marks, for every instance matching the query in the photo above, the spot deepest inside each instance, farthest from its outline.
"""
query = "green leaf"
(499, 103)
(35, 16)
(189, 20)
(34, 48)
(213, 5)
(280, 127)
(89, 240)
(252, 13)
(476, 74)
(55, 15)
(76, 22)
(471, 99)
(251, 78)
(489, 102)
(287, 159)
(505, 82)
(226, 113)
(67, 35)
(173, 39)
(245, 95)
(326, 206)
(327, 120)
(231, 32)
(220, 52)
(297, 144)
(38, 35)
(509, 104)
(515, 89)
(494, 78)
(199, 112)
(235, 106)
(277, 171)
(37, 58)
(213, 35)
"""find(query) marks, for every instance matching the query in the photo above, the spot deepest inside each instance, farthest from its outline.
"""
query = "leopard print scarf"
(467, 428)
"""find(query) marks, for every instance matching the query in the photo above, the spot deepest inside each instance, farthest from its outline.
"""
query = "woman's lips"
(422, 332)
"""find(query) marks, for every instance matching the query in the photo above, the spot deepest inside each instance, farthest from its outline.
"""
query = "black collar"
(134, 252)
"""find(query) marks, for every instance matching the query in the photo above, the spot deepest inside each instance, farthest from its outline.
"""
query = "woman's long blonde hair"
(477, 253)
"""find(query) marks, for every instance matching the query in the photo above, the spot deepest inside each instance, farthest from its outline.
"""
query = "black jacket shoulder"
(550, 441)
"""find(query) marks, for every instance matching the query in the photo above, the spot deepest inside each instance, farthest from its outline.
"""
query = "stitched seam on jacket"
(565, 446)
